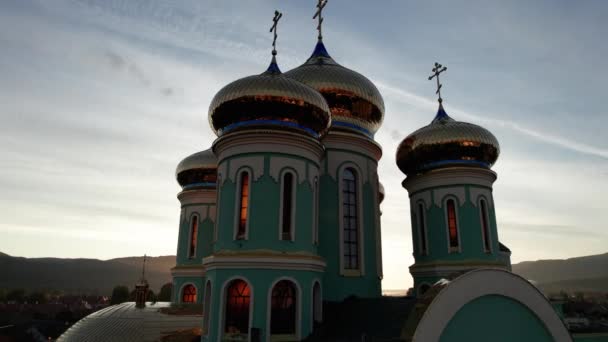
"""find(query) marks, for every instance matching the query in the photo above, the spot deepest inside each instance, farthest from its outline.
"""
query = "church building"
(279, 231)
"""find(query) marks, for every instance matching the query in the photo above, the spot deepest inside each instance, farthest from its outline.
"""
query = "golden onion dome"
(447, 142)
(269, 100)
(355, 102)
(198, 170)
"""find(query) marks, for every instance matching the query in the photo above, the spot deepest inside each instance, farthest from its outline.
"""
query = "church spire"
(441, 114)
(273, 68)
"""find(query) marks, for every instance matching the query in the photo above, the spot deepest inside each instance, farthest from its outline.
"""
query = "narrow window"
(238, 297)
(287, 206)
(484, 226)
(349, 220)
(283, 309)
(315, 216)
(244, 206)
(189, 294)
(193, 237)
(452, 224)
(422, 230)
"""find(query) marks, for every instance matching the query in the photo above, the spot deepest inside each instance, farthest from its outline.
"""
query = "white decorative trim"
(294, 189)
(279, 164)
(213, 262)
(298, 317)
(198, 196)
(457, 204)
(212, 213)
(450, 176)
(337, 159)
(475, 193)
(254, 164)
(352, 142)
(222, 318)
(424, 197)
(441, 194)
(180, 294)
(237, 204)
(359, 186)
(313, 172)
(480, 283)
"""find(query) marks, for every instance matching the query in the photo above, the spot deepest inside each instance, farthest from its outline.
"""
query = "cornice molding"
(260, 260)
(199, 196)
(450, 176)
(353, 142)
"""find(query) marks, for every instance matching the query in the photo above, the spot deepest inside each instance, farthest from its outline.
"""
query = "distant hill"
(86, 276)
(588, 273)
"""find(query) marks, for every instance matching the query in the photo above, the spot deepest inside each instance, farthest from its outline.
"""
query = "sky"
(100, 99)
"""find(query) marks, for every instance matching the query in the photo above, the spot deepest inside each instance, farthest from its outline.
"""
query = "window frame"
(360, 270)
(458, 247)
(421, 223)
(193, 247)
(182, 294)
(486, 234)
(224, 306)
(298, 309)
(238, 205)
(292, 218)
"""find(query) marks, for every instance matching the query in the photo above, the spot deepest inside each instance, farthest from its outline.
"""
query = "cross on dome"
(319, 15)
(438, 69)
(273, 28)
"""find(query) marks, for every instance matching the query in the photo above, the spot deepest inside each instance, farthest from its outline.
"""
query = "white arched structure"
(298, 306)
(483, 282)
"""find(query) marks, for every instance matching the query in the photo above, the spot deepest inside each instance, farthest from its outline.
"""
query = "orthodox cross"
(277, 16)
(319, 15)
(438, 69)
(143, 269)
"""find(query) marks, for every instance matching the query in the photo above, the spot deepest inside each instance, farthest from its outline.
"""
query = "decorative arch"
(349, 232)
(188, 293)
(207, 307)
(223, 327)
(287, 203)
(297, 308)
(242, 205)
(479, 283)
(451, 206)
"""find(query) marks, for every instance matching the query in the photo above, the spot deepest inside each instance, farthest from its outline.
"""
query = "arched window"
(193, 237)
(484, 226)
(241, 232)
(317, 304)
(207, 308)
(283, 309)
(287, 207)
(452, 225)
(422, 229)
(350, 224)
(238, 297)
(189, 294)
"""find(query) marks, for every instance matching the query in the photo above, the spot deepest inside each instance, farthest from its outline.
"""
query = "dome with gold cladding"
(447, 142)
(269, 100)
(198, 170)
(355, 102)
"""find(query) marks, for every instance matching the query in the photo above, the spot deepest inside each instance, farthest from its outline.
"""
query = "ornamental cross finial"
(319, 15)
(438, 69)
(143, 269)
(273, 28)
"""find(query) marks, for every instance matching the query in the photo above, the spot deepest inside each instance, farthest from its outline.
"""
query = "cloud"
(558, 141)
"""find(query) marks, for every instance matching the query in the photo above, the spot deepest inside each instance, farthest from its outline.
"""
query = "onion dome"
(447, 142)
(269, 100)
(197, 171)
(355, 102)
(381, 192)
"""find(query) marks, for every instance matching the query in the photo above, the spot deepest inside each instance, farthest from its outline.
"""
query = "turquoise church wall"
(599, 337)
(509, 321)
(204, 235)
(264, 210)
(338, 287)
(260, 281)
